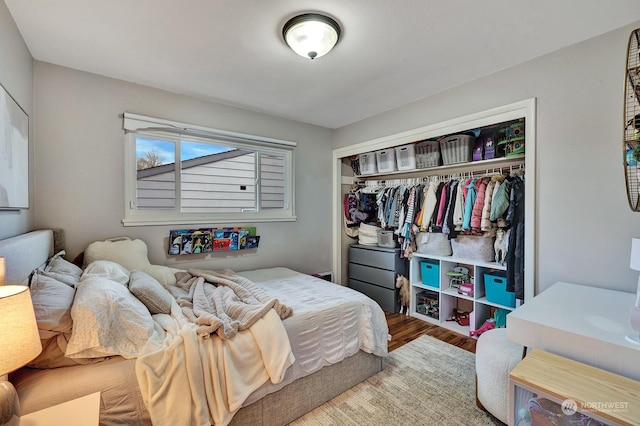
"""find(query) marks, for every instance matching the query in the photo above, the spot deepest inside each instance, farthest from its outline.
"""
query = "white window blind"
(177, 173)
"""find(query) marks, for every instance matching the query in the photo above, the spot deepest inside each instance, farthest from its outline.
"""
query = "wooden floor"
(404, 329)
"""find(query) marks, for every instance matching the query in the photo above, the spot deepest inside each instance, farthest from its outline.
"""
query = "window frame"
(154, 128)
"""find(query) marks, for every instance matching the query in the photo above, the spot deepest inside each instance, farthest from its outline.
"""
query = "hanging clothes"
(396, 207)
(448, 226)
(515, 250)
(390, 208)
(478, 205)
(442, 207)
(429, 205)
(500, 201)
(485, 222)
(466, 205)
(470, 198)
(381, 199)
(458, 210)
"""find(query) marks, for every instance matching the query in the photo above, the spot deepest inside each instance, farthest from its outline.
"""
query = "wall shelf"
(473, 166)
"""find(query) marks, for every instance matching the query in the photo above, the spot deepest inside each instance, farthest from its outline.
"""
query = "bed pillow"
(132, 254)
(63, 270)
(52, 302)
(52, 355)
(108, 320)
(106, 269)
(150, 292)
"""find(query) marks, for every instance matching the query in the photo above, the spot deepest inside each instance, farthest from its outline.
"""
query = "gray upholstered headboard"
(23, 253)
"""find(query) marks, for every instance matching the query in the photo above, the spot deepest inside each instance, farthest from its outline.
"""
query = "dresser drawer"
(381, 277)
(379, 259)
(385, 297)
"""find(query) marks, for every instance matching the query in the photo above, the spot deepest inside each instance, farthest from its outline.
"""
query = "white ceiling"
(230, 51)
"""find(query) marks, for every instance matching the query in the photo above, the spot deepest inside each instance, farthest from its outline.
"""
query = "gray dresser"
(373, 271)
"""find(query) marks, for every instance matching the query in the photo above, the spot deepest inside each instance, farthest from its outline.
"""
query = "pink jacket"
(478, 205)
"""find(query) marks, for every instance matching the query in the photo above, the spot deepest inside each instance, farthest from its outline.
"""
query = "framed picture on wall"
(14, 154)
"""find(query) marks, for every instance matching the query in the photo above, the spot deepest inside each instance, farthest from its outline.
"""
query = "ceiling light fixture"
(311, 35)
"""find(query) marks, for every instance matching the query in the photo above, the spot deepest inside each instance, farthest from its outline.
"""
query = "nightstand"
(83, 411)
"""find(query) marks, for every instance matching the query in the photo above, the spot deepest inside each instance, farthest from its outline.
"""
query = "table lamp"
(635, 310)
(19, 344)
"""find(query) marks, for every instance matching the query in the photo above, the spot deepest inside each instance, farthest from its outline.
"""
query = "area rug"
(426, 381)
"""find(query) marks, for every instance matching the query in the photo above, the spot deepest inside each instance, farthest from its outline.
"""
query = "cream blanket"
(196, 380)
(222, 302)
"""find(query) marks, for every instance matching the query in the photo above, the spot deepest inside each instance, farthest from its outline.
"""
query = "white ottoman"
(495, 358)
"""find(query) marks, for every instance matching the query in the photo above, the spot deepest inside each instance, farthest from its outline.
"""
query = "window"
(181, 174)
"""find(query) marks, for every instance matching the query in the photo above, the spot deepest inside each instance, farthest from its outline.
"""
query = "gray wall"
(584, 224)
(16, 76)
(80, 177)
(583, 221)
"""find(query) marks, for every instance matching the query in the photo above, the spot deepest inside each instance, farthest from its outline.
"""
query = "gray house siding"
(219, 183)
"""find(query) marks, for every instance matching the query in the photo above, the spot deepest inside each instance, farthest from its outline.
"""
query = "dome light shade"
(311, 35)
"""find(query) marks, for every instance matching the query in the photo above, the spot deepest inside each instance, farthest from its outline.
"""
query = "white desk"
(83, 411)
(586, 324)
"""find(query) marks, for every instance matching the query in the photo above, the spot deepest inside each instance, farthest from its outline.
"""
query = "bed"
(336, 335)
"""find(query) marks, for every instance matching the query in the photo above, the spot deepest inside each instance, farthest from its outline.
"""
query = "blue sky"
(166, 150)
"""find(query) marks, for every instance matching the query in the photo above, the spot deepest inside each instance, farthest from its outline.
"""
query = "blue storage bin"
(430, 273)
(495, 287)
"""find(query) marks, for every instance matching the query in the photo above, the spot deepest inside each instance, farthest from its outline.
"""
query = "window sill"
(199, 221)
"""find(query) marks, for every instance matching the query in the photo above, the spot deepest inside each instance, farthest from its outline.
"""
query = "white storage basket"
(368, 234)
(386, 159)
(406, 157)
(367, 163)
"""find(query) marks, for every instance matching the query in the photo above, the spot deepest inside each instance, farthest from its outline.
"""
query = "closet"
(435, 297)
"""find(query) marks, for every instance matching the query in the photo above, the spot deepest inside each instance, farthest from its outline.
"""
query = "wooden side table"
(83, 411)
(573, 387)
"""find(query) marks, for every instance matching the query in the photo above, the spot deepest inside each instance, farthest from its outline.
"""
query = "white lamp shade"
(19, 338)
(635, 254)
(311, 35)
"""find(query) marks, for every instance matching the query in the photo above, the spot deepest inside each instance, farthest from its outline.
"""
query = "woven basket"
(457, 149)
(427, 154)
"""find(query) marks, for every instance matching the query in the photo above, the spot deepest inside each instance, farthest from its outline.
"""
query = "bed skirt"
(306, 393)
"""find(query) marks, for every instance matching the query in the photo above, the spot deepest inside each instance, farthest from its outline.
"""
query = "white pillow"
(63, 270)
(52, 355)
(132, 254)
(106, 269)
(52, 302)
(108, 320)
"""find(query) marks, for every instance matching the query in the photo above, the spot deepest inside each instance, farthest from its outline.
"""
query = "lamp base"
(9, 405)
(633, 338)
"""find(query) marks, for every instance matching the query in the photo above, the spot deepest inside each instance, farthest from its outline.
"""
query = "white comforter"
(329, 322)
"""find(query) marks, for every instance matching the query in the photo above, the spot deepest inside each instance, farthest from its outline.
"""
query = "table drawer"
(385, 297)
(379, 259)
(381, 277)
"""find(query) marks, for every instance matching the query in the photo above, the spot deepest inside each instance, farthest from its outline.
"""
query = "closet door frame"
(525, 108)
